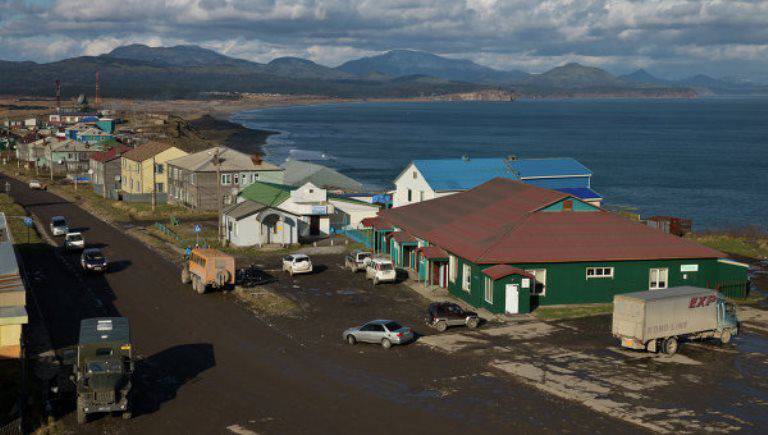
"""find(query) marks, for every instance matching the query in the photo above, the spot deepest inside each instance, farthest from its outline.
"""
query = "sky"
(669, 38)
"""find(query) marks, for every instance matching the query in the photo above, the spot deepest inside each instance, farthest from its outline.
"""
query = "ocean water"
(705, 159)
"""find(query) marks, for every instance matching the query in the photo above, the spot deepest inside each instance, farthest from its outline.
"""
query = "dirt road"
(211, 366)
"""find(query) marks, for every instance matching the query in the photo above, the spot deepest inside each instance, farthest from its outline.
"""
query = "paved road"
(210, 366)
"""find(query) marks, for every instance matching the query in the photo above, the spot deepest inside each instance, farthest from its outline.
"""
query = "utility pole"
(154, 183)
(219, 199)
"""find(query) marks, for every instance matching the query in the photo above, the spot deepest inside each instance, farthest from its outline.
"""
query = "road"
(210, 366)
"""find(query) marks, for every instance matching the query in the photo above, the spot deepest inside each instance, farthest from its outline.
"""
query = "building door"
(314, 225)
(512, 302)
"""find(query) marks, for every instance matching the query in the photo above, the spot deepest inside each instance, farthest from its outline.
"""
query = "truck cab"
(103, 371)
(727, 321)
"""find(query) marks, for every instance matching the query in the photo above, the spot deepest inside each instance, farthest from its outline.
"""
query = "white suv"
(59, 226)
(381, 269)
(297, 263)
(74, 241)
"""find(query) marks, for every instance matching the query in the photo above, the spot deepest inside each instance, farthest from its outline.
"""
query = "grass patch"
(748, 242)
(15, 215)
(266, 301)
(572, 312)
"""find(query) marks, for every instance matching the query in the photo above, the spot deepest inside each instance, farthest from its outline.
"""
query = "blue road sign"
(198, 228)
(28, 222)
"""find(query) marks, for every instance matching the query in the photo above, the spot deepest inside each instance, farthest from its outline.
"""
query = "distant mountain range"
(189, 71)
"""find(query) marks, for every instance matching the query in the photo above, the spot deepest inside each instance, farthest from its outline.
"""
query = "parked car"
(93, 260)
(357, 260)
(441, 315)
(59, 226)
(35, 185)
(380, 269)
(74, 241)
(383, 332)
(656, 320)
(297, 263)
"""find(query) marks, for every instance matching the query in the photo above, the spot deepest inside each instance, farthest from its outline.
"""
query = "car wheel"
(351, 339)
(472, 323)
(386, 344)
(670, 346)
(725, 337)
(441, 326)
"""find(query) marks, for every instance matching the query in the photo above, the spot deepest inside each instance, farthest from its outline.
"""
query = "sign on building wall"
(319, 209)
(689, 268)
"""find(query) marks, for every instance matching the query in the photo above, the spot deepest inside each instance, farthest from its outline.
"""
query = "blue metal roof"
(549, 167)
(581, 192)
(463, 174)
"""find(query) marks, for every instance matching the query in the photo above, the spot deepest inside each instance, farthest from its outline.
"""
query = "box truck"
(656, 320)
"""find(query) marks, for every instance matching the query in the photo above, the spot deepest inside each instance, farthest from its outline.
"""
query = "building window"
(226, 179)
(599, 272)
(159, 168)
(658, 278)
(237, 178)
(453, 268)
(466, 278)
(539, 281)
(254, 177)
(568, 205)
(410, 195)
(488, 290)
(159, 187)
(243, 179)
(421, 195)
(414, 175)
(192, 178)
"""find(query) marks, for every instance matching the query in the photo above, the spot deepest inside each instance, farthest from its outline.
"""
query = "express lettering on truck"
(701, 301)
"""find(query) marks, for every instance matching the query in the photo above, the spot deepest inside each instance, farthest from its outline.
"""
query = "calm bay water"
(706, 159)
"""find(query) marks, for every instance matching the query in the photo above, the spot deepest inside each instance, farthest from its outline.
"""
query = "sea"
(705, 159)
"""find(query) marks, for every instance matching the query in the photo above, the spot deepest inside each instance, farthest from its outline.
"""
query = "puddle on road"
(347, 291)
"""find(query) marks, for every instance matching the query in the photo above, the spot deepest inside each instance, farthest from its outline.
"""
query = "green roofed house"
(267, 213)
(509, 246)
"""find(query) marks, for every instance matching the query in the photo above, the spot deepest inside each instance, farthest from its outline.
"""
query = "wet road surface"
(211, 366)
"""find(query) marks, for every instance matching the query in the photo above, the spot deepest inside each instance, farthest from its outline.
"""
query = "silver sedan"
(383, 332)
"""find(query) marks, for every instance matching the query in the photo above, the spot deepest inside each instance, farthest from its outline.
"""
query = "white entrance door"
(512, 299)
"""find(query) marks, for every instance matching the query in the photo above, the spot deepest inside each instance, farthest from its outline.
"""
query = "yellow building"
(145, 166)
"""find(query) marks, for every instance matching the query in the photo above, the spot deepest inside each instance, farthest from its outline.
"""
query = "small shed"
(510, 288)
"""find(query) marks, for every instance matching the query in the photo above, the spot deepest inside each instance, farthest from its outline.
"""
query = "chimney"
(256, 159)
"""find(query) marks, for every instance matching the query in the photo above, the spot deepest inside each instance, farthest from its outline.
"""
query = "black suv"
(441, 315)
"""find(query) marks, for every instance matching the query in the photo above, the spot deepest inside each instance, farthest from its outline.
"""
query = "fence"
(180, 240)
(733, 289)
(169, 232)
(358, 236)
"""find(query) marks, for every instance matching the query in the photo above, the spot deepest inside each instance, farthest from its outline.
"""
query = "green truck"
(103, 372)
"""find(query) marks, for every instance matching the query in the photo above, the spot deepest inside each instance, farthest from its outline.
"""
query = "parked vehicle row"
(91, 259)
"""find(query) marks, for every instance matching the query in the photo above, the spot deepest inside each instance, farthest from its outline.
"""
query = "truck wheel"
(441, 326)
(200, 286)
(670, 346)
(386, 344)
(725, 337)
(472, 323)
(351, 339)
(127, 415)
(185, 279)
(82, 417)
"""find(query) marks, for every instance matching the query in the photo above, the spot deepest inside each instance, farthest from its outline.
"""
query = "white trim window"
(226, 179)
(599, 272)
(466, 278)
(453, 268)
(658, 278)
(539, 287)
(488, 290)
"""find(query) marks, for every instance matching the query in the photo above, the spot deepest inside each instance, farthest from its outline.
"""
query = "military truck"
(103, 371)
(657, 319)
(206, 268)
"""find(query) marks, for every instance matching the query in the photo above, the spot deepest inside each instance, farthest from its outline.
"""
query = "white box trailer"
(657, 319)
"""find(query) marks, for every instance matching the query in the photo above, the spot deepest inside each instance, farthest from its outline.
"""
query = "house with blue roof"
(423, 180)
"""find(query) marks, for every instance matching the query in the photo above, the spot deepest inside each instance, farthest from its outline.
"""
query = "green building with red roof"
(509, 247)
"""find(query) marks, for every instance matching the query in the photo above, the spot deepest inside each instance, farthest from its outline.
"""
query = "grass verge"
(266, 301)
(750, 243)
(572, 312)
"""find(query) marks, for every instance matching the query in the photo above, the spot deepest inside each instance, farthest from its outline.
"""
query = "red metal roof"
(375, 222)
(113, 153)
(502, 270)
(433, 253)
(499, 222)
(403, 237)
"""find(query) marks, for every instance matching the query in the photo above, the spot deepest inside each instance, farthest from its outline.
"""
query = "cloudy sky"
(672, 38)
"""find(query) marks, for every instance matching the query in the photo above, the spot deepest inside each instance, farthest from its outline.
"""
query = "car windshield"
(59, 222)
(98, 367)
(301, 259)
(385, 266)
(393, 326)
(363, 256)
(94, 255)
(75, 238)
